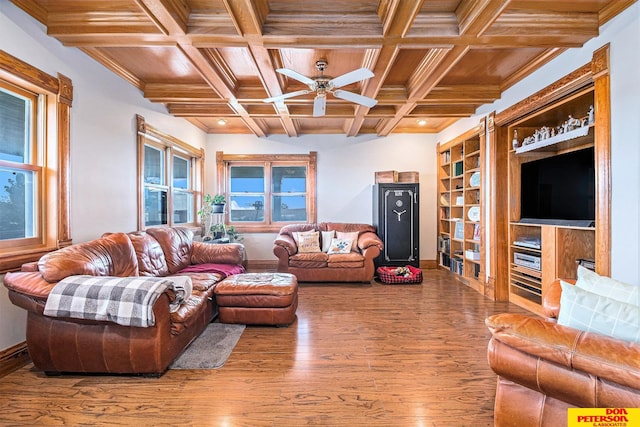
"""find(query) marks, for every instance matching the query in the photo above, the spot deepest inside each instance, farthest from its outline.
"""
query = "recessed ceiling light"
(222, 122)
(421, 122)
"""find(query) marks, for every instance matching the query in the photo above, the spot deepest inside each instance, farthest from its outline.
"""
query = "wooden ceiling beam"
(180, 92)
(170, 16)
(440, 63)
(474, 17)
(397, 17)
(248, 15)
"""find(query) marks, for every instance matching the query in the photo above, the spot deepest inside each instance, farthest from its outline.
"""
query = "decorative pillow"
(590, 312)
(296, 235)
(353, 236)
(607, 287)
(327, 236)
(340, 246)
(308, 242)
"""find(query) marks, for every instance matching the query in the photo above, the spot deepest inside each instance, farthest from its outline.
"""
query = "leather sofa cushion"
(110, 255)
(151, 260)
(350, 260)
(309, 260)
(176, 244)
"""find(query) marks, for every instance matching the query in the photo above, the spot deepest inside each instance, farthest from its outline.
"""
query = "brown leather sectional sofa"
(356, 266)
(59, 345)
(544, 368)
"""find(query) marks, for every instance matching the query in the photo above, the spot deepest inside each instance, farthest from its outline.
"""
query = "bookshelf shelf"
(460, 243)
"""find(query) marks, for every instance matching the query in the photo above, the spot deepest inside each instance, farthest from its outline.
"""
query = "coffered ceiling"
(214, 61)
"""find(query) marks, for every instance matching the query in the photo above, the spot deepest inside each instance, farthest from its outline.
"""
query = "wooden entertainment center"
(529, 254)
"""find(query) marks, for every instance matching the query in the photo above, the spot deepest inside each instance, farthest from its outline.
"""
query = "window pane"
(17, 204)
(247, 208)
(290, 208)
(289, 179)
(182, 207)
(153, 165)
(181, 172)
(155, 206)
(247, 179)
(15, 129)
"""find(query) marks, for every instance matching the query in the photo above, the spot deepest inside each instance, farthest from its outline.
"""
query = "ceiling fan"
(322, 85)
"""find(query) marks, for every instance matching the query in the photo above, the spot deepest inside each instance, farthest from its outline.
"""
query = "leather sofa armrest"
(30, 283)
(287, 243)
(609, 358)
(551, 298)
(226, 253)
(368, 239)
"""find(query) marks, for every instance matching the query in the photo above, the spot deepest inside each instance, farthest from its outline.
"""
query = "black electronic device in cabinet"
(396, 218)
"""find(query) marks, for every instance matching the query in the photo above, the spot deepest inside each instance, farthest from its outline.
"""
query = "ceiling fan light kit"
(322, 85)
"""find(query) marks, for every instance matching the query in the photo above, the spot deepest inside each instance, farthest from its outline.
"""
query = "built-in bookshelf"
(460, 247)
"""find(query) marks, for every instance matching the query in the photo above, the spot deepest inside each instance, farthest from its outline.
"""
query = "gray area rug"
(211, 349)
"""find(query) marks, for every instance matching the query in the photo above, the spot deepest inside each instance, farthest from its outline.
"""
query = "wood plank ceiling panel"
(215, 61)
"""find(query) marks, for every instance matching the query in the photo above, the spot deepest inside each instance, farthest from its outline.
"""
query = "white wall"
(623, 34)
(346, 167)
(103, 140)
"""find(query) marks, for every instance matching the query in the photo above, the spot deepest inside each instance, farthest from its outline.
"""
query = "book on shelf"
(445, 156)
(476, 231)
(458, 232)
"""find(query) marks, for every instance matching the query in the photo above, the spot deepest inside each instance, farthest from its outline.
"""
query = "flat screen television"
(559, 189)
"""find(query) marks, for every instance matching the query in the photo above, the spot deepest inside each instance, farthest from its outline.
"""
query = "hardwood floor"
(357, 355)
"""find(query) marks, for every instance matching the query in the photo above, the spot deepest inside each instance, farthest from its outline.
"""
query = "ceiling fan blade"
(319, 105)
(297, 76)
(286, 95)
(351, 77)
(354, 97)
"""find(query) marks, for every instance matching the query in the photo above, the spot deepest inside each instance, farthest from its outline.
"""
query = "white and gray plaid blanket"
(126, 301)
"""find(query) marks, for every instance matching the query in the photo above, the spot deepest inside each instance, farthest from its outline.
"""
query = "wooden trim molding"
(579, 78)
(59, 94)
(311, 160)
(13, 358)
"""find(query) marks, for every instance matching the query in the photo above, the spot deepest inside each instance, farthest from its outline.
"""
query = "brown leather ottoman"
(258, 299)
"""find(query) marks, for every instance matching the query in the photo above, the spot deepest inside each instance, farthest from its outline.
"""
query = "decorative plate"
(474, 181)
(474, 214)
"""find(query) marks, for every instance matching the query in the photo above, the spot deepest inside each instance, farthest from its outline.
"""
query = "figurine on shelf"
(591, 115)
(515, 142)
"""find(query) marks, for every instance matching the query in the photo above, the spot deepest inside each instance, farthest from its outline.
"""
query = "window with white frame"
(34, 147)
(171, 179)
(265, 192)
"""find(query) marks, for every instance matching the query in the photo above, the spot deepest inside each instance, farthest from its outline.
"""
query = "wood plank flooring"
(357, 355)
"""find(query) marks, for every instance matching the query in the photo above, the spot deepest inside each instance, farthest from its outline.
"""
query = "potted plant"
(218, 201)
(233, 234)
(218, 230)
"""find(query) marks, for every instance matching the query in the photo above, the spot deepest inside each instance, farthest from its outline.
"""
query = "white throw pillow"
(591, 312)
(340, 246)
(351, 235)
(607, 287)
(327, 236)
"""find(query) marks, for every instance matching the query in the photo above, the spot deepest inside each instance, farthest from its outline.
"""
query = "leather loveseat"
(319, 266)
(545, 368)
(65, 344)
